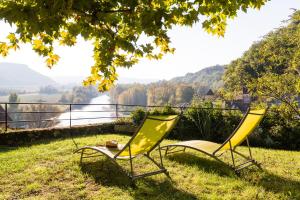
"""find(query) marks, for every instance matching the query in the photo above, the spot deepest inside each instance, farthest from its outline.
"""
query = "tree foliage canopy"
(115, 28)
(271, 67)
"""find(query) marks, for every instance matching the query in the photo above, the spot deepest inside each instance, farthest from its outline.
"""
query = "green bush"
(138, 115)
(206, 122)
(167, 110)
(281, 131)
(211, 124)
(198, 122)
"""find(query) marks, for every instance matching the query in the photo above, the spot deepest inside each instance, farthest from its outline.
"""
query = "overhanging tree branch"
(66, 20)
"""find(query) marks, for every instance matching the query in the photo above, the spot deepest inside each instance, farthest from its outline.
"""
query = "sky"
(195, 49)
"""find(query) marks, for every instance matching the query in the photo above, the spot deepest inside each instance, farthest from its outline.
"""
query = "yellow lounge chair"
(250, 121)
(148, 136)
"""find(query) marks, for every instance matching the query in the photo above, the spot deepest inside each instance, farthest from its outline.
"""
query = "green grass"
(51, 171)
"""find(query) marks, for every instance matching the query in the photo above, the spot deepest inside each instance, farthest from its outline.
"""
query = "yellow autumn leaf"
(52, 60)
(38, 45)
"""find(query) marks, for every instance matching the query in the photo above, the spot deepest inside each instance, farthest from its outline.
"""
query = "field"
(35, 97)
(50, 170)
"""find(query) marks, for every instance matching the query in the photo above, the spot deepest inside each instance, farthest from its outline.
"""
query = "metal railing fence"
(42, 115)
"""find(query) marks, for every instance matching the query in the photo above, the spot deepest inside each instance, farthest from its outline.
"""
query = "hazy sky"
(195, 49)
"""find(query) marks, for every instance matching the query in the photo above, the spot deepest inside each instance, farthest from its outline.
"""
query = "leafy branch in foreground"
(115, 28)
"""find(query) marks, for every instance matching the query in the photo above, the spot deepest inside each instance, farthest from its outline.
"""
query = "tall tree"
(135, 95)
(14, 107)
(14, 99)
(184, 93)
(270, 68)
(114, 27)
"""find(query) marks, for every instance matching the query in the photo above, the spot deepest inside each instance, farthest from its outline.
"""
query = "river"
(84, 112)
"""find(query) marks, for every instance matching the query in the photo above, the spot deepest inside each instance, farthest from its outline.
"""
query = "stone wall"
(29, 136)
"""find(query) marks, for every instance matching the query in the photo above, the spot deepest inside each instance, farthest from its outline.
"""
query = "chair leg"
(232, 156)
(161, 161)
(131, 174)
(249, 149)
(162, 165)
(159, 164)
(131, 164)
(166, 152)
(81, 156)
(250, 159)
(170, 150)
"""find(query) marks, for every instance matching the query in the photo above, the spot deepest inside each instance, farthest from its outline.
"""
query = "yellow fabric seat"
(247, 125)
(250, 122)
(200, 145)
(148, 136)
(153, 130)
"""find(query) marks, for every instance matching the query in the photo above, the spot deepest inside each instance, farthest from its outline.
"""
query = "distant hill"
(175, 91)
(77, 80)
(210, 77)
(20, 76)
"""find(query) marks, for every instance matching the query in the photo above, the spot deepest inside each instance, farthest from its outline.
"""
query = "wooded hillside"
(175, 91)
(270, 69)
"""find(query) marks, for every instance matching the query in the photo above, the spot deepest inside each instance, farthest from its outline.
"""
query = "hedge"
(29, 136)
(274, 131)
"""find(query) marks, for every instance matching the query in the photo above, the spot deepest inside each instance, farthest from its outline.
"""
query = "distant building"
(241, 102)
(209, 95)
(3, 118)
(237, 104)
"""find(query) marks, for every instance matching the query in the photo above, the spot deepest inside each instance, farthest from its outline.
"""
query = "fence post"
(70, 110)
(6, 117)
(117, 111)
(40, 117)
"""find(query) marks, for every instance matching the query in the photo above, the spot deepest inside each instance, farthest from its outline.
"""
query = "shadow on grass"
(4, 149)
(207, 165)
(149, 188)
(274, 183)
(269, 181)
(106, 173)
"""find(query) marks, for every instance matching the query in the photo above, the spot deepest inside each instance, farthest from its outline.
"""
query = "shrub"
(167, 110)
(283, 131)
(204, 121)
(138, 115)
(123, 120)
(198, 122)
(212, 124)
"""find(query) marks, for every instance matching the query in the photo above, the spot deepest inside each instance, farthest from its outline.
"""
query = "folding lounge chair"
(148, 136)
(250, 121)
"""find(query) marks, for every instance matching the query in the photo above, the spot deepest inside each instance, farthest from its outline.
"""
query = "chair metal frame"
(116, 157)
(248, 159)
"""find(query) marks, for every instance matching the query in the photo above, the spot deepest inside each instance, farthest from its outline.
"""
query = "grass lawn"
(51, 171)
